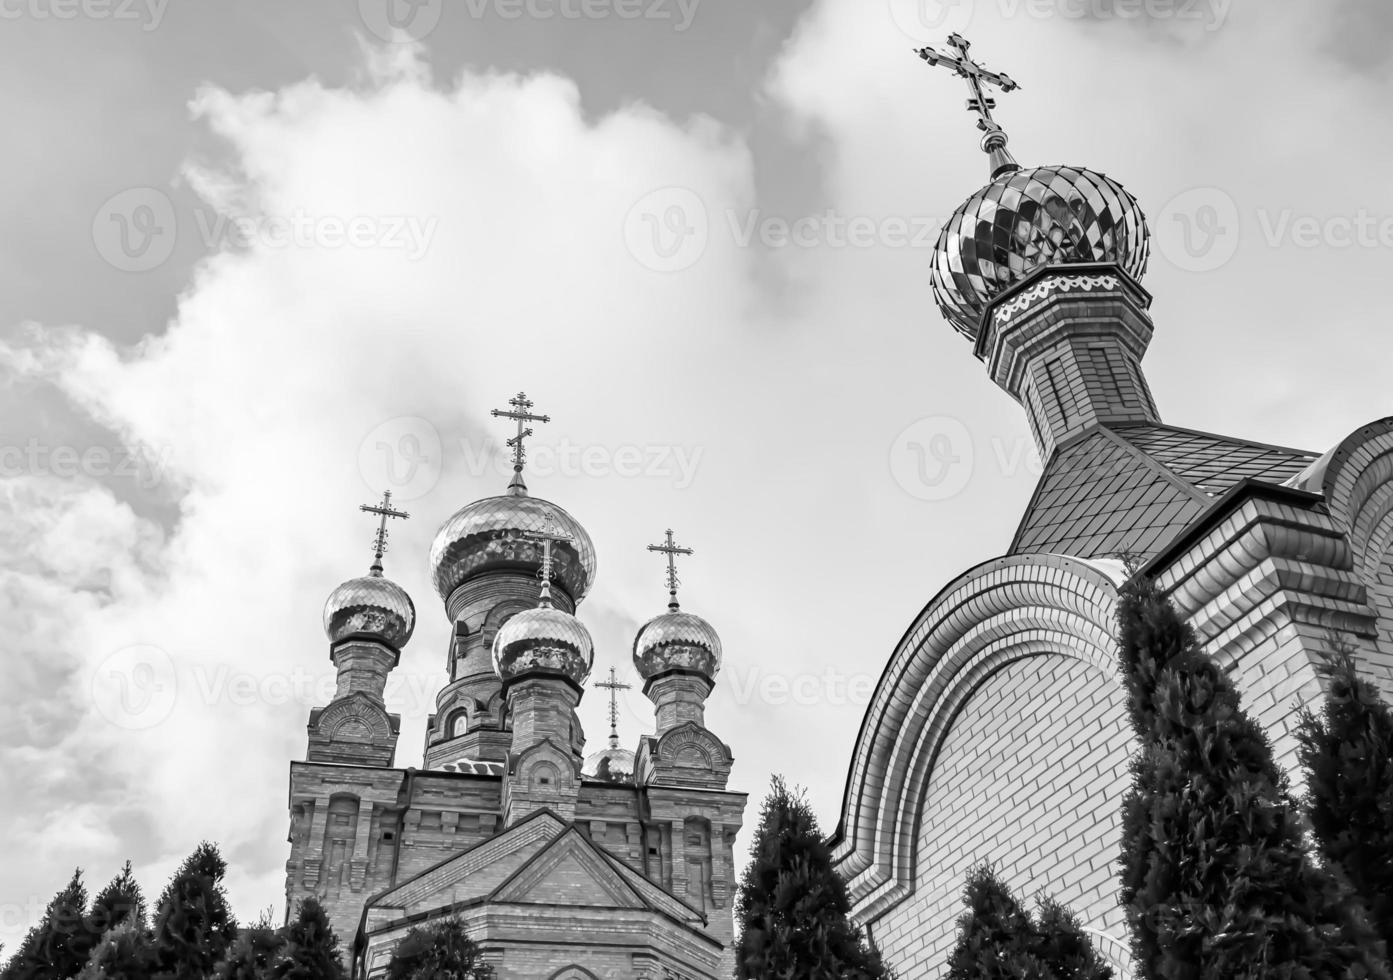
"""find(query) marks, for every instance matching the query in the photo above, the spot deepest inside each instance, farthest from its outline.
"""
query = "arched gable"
(1356, 479)
(999, 612)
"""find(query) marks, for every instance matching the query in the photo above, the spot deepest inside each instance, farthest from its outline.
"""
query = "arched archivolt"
(1356, 479)
(997, 613)
(572, 973)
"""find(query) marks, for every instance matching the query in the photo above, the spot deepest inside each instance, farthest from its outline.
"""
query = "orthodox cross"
(548, 537)
(994, 138)
(521, 413)
(671, 549)
(614, 686)
(384, 510)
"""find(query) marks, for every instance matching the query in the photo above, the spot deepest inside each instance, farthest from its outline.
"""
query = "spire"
(384, 510)
(671, 549)
(614, 686)
(548, 538)
(521, 413)
(993, 136)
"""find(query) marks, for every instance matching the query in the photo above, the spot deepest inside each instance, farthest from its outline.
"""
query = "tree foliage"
(793, 908)
(1347, 752)
(194, 926)
(311, 950)
(999, 940)
(1216, 882)
(58, 947)
(441, 951)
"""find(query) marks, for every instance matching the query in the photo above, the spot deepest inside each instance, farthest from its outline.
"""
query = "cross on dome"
(671, 549)
(980, 103)
(614, 686)
(547, 538)
(520, 411)
(384, 511)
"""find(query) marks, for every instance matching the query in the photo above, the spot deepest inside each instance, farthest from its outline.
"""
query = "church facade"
(998, 731)
(560, 866)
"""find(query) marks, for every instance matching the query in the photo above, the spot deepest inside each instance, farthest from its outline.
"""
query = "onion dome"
(610, 764)
(677, 640)
(373, 607)
(1025, 219)
(544, 640)
(492, 535)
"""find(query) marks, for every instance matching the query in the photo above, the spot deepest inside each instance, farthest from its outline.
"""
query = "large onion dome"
(371, 606)
(546, 641)
(677, 640)
(613, 764)
(1025, 219)
(487, 536)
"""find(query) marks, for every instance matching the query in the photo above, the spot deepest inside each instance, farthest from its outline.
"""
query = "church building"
(561, 867)
(998, 732)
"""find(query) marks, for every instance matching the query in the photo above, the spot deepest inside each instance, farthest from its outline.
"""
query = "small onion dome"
(1025, 219)
(370, 606)
(677, 641)
(487, 536)
(544, 640)
(611, 765)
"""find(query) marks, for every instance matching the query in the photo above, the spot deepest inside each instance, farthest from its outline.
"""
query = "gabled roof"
(1211, 463)
(1130, 489)
(541, 860)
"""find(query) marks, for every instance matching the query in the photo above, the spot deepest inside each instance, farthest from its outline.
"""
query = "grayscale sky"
(263, 260)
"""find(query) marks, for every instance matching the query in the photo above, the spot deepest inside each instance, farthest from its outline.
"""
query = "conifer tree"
(793, 907)
(1347, 752)
(254, 954)
(124, 953)
(311, 949)
(58, 947)
(998, 939)
(442, 951)
(1216, 883)
(121, 900)
(193, 923)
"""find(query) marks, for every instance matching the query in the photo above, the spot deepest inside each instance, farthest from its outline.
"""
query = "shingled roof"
(1129, 489)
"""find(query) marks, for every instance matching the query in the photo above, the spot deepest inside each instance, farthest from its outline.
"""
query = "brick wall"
(1030, 777)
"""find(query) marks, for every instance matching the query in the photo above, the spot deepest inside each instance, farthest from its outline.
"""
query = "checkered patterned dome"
(487, 535)
(677, 641)
(370, 606)
(543, 641)
(1025, 219)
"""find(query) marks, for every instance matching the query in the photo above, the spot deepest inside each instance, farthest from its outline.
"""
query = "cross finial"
(384, 510)
(548, 537)
(671, 549)
(614, 686)
(993, 136)
(520, 412)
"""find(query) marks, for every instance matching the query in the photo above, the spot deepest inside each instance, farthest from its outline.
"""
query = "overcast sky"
(262, 261)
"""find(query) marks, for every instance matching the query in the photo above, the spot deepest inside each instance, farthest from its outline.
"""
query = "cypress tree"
(311, 949)
(442, 951)
(254, 954)
(58, 947)
(1347, 752)
(793, 907)
(193, 923)
(121, 900)
(998, 939)
(124, 953)
(1216, 883)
